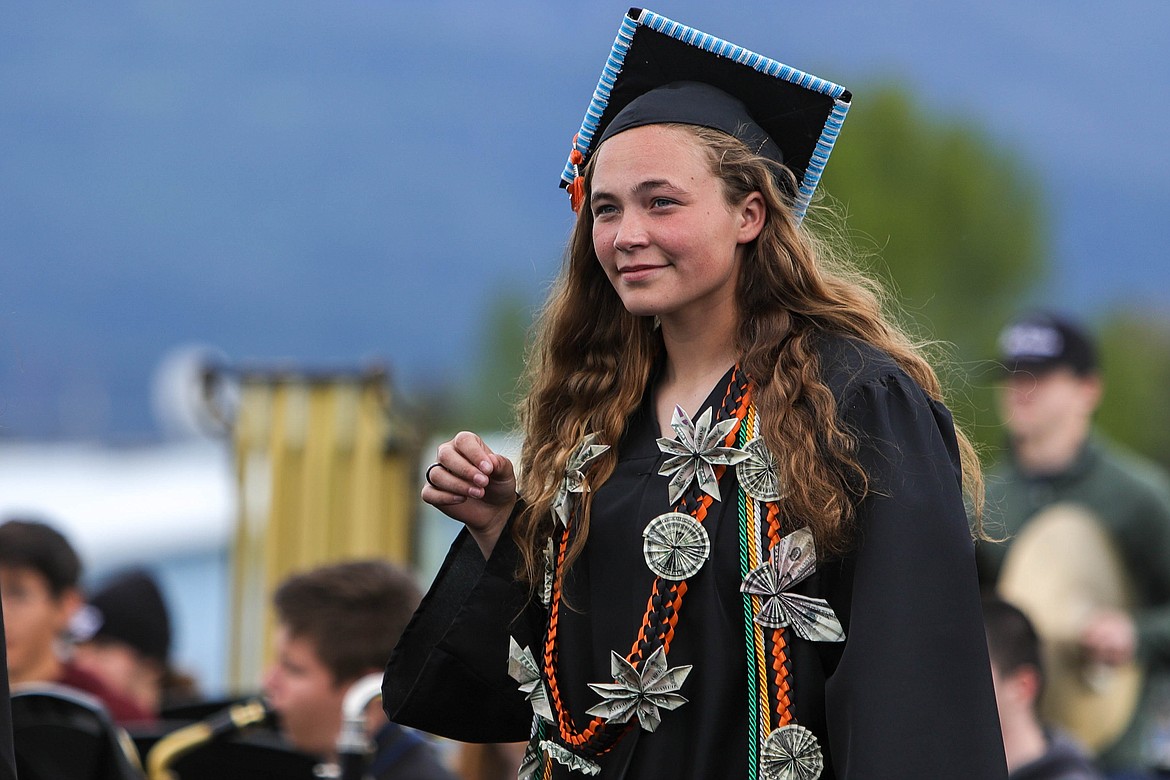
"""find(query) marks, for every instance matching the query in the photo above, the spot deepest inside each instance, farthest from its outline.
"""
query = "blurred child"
(336, 624)
(1034, 752)
(39, 574)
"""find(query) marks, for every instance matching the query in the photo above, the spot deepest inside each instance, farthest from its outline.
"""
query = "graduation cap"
(662, 71)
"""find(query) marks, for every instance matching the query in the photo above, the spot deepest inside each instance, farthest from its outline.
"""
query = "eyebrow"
(642, 187)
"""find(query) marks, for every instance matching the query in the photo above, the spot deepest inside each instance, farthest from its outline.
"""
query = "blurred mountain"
(320, 183)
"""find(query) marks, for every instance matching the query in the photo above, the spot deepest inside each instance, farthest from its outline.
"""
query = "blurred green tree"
(954, 222)
(488, 401)
(1135, 360)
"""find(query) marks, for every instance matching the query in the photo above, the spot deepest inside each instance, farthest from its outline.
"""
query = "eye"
(292, 668)
(661, 202)
(601, 209)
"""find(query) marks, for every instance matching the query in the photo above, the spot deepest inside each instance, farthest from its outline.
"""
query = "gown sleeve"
(911, 696)
(7, 752)
(449, 673)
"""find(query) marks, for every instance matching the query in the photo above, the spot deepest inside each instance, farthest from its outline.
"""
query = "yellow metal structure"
(325, 471)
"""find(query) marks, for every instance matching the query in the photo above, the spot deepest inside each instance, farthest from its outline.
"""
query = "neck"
(699, 341)
(1052, 452)
(1023, 740)
(698, 353)
(48, 669)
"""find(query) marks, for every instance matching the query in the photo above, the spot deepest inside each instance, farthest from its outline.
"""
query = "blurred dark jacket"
(7, 759)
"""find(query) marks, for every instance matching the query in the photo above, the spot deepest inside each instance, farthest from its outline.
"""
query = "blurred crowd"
(106, 654)
(1077, 616)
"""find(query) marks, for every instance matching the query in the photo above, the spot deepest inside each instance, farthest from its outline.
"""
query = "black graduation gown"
(7, 756)
(908, 694)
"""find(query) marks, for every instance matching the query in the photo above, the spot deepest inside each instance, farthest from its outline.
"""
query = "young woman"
(739, 546)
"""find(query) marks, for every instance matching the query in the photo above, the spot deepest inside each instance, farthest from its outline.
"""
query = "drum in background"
(1062, 568)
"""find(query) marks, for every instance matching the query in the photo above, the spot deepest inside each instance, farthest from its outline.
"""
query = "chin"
(644, 306)
(643, 311)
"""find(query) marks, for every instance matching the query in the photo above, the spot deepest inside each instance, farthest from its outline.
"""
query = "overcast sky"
(320, 183)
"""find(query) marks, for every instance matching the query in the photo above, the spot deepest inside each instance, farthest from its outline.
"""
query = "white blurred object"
(189, 396)
(169, 507)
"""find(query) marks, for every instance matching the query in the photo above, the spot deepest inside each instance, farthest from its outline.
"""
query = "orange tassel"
(577, 193)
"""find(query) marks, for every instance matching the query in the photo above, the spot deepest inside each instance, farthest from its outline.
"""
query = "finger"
(455, 457)
(441, 498)
(444, 479)
(502, 467)
(476, 451)
(470, 456)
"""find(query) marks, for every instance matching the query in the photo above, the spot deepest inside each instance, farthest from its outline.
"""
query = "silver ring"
(427, 476)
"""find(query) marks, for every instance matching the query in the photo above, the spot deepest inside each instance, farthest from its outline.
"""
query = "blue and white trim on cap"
(722, 48)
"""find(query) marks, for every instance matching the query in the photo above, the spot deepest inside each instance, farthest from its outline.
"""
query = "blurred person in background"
(123, 637)
(39, 575)
(335, 625)
(1048, 398)
(1034, 751)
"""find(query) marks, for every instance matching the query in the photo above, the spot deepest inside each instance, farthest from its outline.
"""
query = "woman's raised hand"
(470, 483)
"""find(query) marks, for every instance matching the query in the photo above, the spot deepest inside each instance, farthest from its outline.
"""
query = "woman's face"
(662, 229)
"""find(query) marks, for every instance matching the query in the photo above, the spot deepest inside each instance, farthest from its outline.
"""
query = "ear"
(1025, 684)
(752, 214)
(1094, 389)
(67, 605)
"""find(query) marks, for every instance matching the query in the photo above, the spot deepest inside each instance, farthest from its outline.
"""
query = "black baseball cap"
(1039, 342)
(661, 71)
(129, 608)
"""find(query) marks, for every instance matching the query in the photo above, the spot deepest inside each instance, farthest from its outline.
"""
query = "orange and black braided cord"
(662, 608)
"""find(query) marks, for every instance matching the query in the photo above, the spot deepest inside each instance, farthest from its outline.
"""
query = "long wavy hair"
(591, 360)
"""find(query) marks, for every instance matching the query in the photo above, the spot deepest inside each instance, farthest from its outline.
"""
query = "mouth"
(633, 272)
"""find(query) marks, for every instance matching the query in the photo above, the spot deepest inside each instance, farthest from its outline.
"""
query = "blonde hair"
(591, 361)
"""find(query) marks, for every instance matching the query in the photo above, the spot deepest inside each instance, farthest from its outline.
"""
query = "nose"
(630, 233)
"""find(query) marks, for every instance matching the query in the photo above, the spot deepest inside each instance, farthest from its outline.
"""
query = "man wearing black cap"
(1049, 395)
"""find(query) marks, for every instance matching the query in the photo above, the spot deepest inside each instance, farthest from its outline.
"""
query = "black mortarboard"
(1041, 341)
(663, 71)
